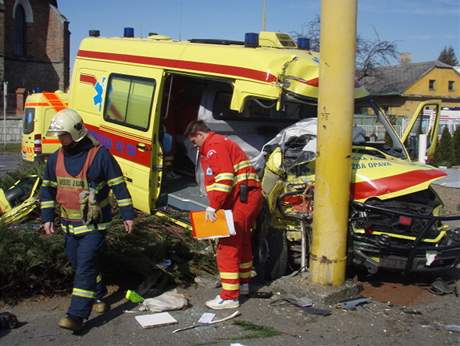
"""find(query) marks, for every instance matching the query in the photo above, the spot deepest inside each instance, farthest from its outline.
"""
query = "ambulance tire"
(270, 250)
(278, 257)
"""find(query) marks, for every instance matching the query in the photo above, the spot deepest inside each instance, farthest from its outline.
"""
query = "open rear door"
(424, 121)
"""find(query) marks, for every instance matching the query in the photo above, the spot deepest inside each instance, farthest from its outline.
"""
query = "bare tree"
(370, 53)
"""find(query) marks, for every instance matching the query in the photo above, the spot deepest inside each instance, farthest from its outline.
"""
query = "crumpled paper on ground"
(170, 300)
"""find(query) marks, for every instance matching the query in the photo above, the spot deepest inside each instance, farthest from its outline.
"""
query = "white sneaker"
(219, 304)
(244, 289)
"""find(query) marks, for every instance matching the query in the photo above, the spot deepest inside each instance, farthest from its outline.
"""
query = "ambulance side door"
(424, 121)
(130, 106)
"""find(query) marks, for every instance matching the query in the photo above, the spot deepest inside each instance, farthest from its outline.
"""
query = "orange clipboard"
(221, 228)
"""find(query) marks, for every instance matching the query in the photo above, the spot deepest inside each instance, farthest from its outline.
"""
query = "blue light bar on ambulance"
(128, 32)
(251, 39)
(303, 43)
(94, 33)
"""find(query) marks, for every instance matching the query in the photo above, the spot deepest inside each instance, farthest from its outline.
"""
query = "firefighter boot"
(100, 307)
(219, 304)
(71, 322)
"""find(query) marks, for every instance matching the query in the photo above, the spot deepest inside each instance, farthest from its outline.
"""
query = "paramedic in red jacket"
(231, 183)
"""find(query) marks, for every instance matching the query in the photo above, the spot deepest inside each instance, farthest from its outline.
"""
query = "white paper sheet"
(154, 320)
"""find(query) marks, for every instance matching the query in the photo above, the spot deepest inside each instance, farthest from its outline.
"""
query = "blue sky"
(421, 27)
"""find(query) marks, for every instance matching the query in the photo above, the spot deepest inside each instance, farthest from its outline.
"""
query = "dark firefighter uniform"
(229, 175)
(67, 173)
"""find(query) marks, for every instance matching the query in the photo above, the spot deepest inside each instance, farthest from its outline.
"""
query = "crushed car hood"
(388, 178)
(373, 176)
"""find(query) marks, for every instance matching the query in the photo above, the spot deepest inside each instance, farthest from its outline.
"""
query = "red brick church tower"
(34, 47)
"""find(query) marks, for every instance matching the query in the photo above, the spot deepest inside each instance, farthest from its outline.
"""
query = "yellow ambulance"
(38, 112)
(137, 95)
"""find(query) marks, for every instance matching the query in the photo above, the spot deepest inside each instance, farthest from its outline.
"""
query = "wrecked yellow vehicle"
(394, 213)
(19, 200)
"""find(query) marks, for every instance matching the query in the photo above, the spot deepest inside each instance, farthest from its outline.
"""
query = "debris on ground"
(352, 303)
(133, 297)
(453, 328)
(202, 324)
(299, 302)
(260, 294)
(441, 287)
(207, 281)
(8, 320)
(170, 300)
(155, 320)
(310, 310)
(305, 303)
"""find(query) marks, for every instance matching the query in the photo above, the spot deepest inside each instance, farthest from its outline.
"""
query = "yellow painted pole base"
(325, 271)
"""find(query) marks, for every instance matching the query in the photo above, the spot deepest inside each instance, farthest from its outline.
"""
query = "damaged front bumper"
(423, 243)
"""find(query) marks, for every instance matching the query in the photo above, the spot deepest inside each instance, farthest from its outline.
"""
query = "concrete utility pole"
(333, 162)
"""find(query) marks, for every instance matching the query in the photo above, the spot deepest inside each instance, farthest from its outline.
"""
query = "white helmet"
(68, 121)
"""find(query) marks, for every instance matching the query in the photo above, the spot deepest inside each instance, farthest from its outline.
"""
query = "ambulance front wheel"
(270, 249)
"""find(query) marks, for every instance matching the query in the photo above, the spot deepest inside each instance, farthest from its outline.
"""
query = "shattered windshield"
(371, 134)
(371, 129)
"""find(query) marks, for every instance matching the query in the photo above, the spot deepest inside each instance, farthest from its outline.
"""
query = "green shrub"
(31, 263)
(444, 155)
(456, 141)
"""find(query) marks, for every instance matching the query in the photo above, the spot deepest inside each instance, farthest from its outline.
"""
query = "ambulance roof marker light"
(128, 32)
(303, 43)
(94, 33)
(251, 39)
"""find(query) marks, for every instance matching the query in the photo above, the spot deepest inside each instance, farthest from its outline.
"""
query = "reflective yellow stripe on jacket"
(224, 176)
(241, 165)
(83, 293)
(218, 187)
(71, 229)
(125, 202)
(115, 181)
(47, 204)
(49, 183)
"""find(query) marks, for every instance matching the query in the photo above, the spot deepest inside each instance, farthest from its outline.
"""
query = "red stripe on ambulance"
(87, 78)
(55, 101)
(382, 186)
(182, 64)
(121, 146)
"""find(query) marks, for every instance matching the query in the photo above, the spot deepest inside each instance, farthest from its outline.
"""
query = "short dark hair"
(194, 126)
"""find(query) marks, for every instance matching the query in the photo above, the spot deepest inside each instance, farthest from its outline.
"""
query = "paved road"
(452, 179)
(378, 323)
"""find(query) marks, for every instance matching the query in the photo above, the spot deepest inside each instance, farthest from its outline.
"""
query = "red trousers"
(234, 254)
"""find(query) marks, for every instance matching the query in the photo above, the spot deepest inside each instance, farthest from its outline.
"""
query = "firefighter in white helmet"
(76, 184)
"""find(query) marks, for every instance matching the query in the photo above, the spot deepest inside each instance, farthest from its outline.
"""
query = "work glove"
(89, 209)
(210, 214)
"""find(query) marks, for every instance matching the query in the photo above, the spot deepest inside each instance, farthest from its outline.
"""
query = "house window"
(451, 85)
(431, 84)
(20, 31)
(129, 101)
